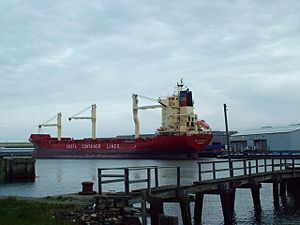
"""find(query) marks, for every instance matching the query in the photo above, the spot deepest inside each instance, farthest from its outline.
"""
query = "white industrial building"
(267, 138)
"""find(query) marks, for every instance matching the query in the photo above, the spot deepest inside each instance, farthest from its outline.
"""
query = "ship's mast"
(92, 118)
(180, 85)
(58, 125)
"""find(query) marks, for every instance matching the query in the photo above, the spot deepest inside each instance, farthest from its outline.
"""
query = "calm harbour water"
(63, 176)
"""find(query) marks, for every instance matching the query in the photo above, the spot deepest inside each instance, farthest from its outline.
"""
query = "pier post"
(296, 191)
(156, 176)
(226, 201)
(99, 182)
(144, 208)
(167, 220)
(283, 192)
(185, 210)
(15, 169)
(198, 208)
(178, 181)
(10, 173)
(199, 171)
(232, 199)
(149, 181)
(126, 182)
(290, 186)
(275, 194)
(156, 207)
(255, 191)
(283, 189)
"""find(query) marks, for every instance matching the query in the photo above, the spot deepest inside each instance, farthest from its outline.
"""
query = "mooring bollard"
(87, 188)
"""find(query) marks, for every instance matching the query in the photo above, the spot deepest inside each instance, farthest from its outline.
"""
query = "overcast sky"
(62, 56)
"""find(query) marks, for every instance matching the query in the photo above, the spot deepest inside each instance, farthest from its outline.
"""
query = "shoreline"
(62, 209)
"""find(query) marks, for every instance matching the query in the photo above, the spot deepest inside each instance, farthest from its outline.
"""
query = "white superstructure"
(178, 116)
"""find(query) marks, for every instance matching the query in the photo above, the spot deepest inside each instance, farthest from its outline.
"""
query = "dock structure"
(16, 145)
(214, 177)
(17, 169)
(15, 149)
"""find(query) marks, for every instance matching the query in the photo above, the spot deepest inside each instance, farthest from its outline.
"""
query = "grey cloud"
(66, 55)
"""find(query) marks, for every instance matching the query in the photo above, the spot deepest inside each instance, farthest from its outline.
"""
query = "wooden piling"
(167, 220)
(290, 186)
(185, 210)
(226, 201)
(10, 173)
(199, 171)
(149, 181)
(198, 208)
(283, 198)
(275, 195)
(126, 176)
(245, 167)
(178, 181)
(296, 191)
(144, 208)
(156, 208)
(156, 176)
(233, 190)
(282, 189)
(255, 191)
(2, 170)
(15, 169)
(100, 181)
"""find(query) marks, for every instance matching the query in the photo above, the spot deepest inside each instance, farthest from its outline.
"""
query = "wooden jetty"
(17, 169)
(214, 177)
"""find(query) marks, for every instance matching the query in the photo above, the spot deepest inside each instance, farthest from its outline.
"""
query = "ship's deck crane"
(136, 108)
(92, 118)
(48, 124)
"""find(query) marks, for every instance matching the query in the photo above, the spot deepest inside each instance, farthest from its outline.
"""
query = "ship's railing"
(122, 174)
(220, 169)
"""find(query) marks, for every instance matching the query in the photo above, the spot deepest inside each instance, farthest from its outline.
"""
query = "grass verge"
(20, 212)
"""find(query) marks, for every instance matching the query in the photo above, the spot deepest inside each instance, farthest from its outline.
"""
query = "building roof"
(269, 130)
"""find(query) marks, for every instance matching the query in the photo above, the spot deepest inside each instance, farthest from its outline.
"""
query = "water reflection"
(65, 176)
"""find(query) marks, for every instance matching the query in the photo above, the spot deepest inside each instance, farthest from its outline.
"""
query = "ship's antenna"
(180, 85)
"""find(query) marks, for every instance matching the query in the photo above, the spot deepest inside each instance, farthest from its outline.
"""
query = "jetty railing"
(122, 174)
(215, 177)
(220, 169)
(208, 170)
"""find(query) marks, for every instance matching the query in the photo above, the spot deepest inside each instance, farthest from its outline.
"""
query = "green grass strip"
(20, 212)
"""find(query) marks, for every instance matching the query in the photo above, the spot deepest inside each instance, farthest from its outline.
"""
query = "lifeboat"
(203, 124)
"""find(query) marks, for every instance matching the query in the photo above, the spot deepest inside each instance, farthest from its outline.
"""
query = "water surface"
(63, 176)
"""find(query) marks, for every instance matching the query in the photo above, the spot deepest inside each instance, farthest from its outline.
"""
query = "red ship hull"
(160, 146)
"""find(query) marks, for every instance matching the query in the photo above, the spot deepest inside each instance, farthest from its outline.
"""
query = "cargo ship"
(181, 134)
